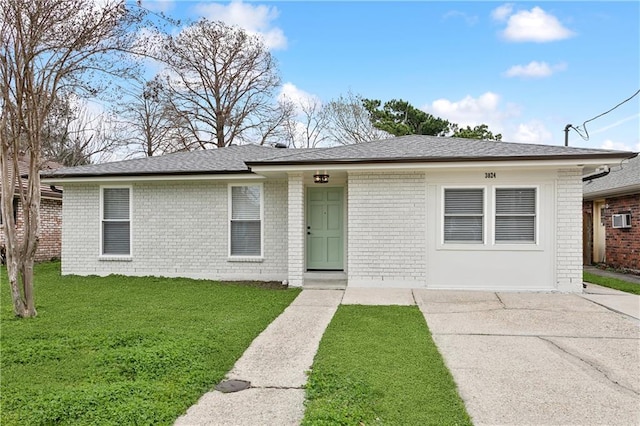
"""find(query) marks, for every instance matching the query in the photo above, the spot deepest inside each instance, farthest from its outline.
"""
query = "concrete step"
(322, 280)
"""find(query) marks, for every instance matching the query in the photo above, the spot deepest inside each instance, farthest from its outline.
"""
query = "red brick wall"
(623, 244)
(50, 229)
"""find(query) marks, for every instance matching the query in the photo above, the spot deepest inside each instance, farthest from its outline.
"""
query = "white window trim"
(470, 244)
(537, 214)
(129, 256)
(236, 258)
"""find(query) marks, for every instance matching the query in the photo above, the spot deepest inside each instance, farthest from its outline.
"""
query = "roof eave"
(613, 192)
(134, 177)
(347, 161)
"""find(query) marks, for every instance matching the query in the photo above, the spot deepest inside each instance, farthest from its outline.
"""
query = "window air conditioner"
(621, 220)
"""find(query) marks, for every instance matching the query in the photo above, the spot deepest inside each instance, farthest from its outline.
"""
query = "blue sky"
(525, 68)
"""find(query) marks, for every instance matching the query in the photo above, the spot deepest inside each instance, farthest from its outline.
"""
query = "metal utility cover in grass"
(228, 386)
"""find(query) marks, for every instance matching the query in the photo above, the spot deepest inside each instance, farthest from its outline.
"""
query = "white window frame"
(494, 214)
(108, 255)
(229, 219)
(485, 212)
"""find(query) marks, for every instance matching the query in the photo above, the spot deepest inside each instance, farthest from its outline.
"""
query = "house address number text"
(490, 175)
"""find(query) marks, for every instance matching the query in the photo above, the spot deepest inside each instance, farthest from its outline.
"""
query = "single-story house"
(412, 211)
(611, 211)
(50, 236)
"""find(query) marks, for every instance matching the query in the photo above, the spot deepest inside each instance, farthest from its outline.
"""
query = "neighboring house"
(49, 245)
(611, 212)
(412, 211)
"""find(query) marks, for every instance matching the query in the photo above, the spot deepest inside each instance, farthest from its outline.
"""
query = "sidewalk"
(603, 273)
(275, 363)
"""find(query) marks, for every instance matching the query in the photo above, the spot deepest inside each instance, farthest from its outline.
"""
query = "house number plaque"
(490, 175)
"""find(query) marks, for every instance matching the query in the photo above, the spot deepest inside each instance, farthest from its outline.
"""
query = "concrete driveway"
(543, 359)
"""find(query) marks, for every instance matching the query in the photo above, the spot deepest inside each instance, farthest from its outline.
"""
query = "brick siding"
(49, 246)
(178, 229)
(387, 228)
(569, 230)
(623, 244)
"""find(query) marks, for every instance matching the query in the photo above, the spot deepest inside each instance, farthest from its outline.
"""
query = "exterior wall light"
(321, 178)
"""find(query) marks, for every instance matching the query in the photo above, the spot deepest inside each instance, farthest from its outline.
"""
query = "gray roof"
(239, 159)
(435, 149)
(622, 178)
(225, 160)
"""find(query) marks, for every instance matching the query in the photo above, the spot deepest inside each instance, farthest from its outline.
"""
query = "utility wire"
(584, 125)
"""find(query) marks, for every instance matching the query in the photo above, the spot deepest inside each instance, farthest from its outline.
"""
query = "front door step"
(325, 280)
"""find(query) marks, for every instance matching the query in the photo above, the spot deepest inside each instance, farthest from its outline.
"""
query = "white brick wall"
(569, 230)
(386, 226)
(296, 234)
(179, 229)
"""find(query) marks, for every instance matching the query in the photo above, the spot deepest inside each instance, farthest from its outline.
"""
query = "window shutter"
(464, 215)
(515, 215)
(246, 226)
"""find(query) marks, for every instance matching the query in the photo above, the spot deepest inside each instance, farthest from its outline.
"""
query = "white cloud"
(255, 19)
(502, 12)
(469, 111)
(469, 19)
(535, 69)
(299, 97)
(531, 25)
(532, 132)
(158, 6)
(620, 146)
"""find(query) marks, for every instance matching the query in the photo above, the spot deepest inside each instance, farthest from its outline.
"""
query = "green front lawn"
(614, 283)
(121, 350)
(379, 365)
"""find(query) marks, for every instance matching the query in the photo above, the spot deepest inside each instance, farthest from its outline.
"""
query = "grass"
(379, 365)
(121, 350)
(614, 283)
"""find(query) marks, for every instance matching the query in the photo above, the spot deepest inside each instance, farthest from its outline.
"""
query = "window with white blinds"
(463, 215)
(116, 221)
(245, 234)
(515, 215)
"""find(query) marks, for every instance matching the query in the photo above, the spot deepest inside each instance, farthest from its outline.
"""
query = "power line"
(585, 136)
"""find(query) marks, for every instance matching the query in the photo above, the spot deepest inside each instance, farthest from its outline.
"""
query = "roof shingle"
(414, 148)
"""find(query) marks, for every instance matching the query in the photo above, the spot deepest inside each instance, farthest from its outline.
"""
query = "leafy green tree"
(400, 118)
(478, 132)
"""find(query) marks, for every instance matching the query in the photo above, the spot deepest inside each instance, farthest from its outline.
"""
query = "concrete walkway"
(517, 358)
(605, 273)
(275, 363)
(537, 358)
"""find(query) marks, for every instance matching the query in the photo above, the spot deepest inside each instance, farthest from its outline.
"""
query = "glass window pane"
(245, 238)
(245, 202)
(463, 229)
(464, 201)
(116, 238)
(116, 203)
(516, 228)
(516, 201)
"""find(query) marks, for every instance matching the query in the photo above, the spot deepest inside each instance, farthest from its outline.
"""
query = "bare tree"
(349, 122)
(308, 128)
(222, 80)
(47, 47)
(73, 135)
(150, 124)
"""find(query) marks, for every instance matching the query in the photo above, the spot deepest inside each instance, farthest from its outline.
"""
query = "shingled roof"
(418, 148)
(623, 178)
(240, 159)
(223, 160)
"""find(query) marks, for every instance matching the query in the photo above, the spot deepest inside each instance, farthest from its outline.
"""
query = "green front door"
(324, 229)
